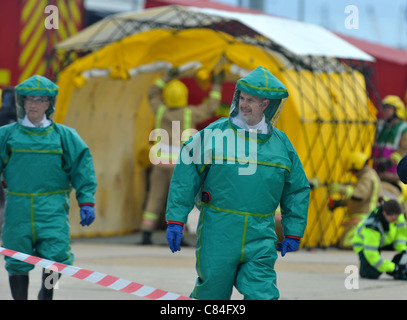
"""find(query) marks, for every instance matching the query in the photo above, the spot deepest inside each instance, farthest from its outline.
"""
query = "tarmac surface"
(318, 274)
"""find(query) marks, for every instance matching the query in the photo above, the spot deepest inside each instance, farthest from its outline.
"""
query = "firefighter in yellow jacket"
(384, 228)
(168, 99)
(360, 199)
(391, 139)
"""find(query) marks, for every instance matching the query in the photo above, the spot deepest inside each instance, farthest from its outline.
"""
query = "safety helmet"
(175, 94)
(356, 161)
(203, 78)
(397, 103)
(203, 74)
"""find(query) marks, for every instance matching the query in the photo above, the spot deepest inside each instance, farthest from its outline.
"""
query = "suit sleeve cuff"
(86, 204)
(293, 237)
(175, 222)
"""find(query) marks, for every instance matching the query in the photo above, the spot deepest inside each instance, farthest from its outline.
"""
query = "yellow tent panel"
(326, 118)
(104, 96)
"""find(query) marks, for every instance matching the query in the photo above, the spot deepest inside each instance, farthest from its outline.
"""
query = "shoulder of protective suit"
(65, 129)
(8, 128)
(212, 129)
(218, 123)
(282, 136)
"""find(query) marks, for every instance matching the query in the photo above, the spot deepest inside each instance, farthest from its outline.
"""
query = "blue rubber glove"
(87, 215)
(174, 236)
(288, 245)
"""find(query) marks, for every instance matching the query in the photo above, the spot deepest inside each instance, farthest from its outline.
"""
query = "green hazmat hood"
(38, 86)
(261, 83)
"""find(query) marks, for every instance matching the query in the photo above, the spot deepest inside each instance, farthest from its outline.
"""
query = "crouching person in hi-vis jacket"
(240, 184)
(384, 229)
(41, 162)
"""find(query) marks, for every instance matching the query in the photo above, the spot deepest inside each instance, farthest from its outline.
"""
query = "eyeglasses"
(36, 101)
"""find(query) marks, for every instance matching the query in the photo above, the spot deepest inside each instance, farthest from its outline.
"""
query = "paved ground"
(312, 275)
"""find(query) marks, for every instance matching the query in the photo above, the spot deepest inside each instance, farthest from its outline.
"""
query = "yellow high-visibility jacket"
(374, 233)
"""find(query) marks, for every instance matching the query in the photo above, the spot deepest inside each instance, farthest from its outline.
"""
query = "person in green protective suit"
(241, 168)
(41, 161)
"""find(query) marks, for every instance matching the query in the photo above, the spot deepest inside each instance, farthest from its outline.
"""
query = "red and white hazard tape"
(96, 277)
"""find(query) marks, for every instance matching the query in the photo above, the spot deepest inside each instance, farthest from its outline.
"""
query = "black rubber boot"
(146, 239)
(19, 286)
(47, 287)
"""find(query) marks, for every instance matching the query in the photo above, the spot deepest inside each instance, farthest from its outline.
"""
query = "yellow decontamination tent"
(104, 96)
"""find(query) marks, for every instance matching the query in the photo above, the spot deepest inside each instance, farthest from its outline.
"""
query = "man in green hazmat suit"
(41, 161)
(241, 168)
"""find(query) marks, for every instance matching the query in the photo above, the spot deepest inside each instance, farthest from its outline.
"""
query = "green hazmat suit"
(244, 176)
(40, 166)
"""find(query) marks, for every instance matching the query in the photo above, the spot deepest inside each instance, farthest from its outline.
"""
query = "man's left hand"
(174, 236)
(87, 215)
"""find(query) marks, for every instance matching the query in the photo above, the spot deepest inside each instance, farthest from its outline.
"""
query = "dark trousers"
(370, 272)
